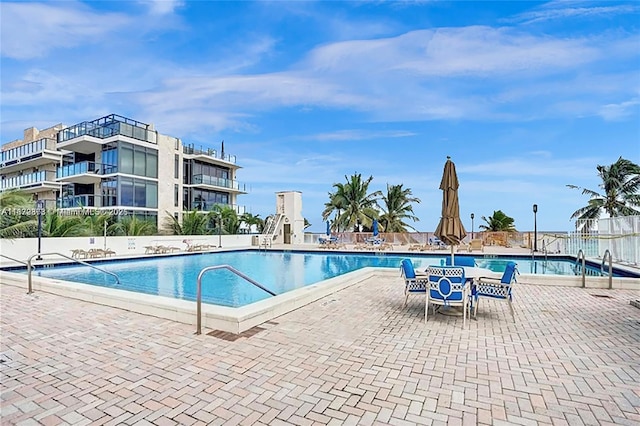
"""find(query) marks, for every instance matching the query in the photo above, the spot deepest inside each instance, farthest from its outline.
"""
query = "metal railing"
(30, 267)
(199, 293)
(11, 258)
(605, 256)
(580, 257)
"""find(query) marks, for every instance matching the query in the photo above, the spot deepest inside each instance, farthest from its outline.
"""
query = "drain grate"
(232, 337)
(606, 296)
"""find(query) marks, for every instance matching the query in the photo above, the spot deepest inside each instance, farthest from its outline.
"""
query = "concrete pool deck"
(353, 357)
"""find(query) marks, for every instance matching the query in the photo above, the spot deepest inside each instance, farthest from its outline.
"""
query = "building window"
(176, 166)
(176, 195)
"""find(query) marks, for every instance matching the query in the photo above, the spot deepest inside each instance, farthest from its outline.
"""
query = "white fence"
(619, 235)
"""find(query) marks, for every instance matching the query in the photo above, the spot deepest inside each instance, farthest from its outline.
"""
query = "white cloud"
(162, 7)
(31, 30)
(571, 10)
(620, 111)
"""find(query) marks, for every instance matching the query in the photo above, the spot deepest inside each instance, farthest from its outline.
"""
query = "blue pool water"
(176, 276)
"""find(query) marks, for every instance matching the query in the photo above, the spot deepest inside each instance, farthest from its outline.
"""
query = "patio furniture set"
(459, 285)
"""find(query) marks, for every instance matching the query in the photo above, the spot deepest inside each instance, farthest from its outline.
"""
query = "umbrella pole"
(452, 262)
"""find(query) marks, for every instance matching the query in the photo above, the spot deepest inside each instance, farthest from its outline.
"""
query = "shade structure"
(450, 229)
(328, 228)
(375, 228)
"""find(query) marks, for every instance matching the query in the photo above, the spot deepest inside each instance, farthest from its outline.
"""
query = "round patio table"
(471, 273)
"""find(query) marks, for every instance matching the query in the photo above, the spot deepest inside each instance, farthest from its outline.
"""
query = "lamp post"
(39, 208)
(219, 230)
(472, 216)
(535, 228)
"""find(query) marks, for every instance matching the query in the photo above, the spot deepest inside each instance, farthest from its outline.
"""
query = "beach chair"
(447, 287)
(476, 245)
(497, 289)
(79, 254)
(413, 283)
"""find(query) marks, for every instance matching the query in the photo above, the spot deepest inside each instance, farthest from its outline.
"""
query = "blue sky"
(525, 97)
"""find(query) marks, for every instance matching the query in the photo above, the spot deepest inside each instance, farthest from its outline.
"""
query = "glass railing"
(209, 153)
(27, 150)
(28, 180)
(108, 126)
(216, 181)
(206, 207)
(79, 201)
(85, 167)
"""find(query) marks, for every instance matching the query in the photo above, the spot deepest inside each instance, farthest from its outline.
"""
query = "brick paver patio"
(356, 357)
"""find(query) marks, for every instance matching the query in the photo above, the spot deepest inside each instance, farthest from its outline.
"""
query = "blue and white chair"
(412, 282)
(497, 289)
(447, 287)
(460, 261)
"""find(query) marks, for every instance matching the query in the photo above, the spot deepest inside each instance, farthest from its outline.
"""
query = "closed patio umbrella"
(375, 228)
(450, 229)
(328, 228)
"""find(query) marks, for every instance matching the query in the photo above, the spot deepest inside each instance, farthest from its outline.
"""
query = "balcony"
(79, 201)
(207, 154)
(86, 172)
(84, 136)
(32, 182)
(33, 154)
(206, 208)
(207, 181)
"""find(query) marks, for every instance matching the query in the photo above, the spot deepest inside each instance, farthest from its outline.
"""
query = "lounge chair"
(447, 287)
(413, 283)
(498, 289)
(92, 253)
(476, 245)
(108, 252)
(79, 254)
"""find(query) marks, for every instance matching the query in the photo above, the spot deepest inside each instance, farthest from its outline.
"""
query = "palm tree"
(193, 223)
(250, 220)
(621, 197)
(498, 222)
(94, 223)
(56, 225)
(134, 227)
(352, 204)
(13, 223)
(225, 219)
(397, 208)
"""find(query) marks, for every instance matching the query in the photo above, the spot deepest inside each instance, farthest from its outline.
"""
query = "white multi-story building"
(115, 162)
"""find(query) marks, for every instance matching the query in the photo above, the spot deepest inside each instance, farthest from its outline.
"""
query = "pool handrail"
(11, 258)
(605, 256)
(199, 291)
(581, 257)
(30, 267)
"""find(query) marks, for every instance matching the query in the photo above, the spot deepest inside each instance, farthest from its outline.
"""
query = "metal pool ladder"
(199, 294)
(581, 257)
(605, 256)
(30, 267)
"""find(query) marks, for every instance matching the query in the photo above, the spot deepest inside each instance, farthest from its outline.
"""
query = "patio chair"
(413, 283)
(79, 253)
(497, 289)
(460, 261)
(476, 245)
(447, 287)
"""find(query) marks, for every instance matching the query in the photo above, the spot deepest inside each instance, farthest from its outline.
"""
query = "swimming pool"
(176, 276)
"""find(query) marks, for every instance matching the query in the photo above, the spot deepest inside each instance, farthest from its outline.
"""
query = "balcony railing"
(191, 150)
(30, 179)
(216, 181)
(79, 201)
(85, 167)
(24, 152)
(108, 126)
(207, 207)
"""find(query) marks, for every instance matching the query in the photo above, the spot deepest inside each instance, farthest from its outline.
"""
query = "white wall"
(22, 248)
